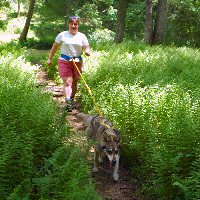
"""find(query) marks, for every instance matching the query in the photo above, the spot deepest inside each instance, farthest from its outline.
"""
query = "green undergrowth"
(38, 159)
(152, 95)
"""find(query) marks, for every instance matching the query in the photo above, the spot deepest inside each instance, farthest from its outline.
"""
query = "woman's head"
(73, 24)
(73, 19)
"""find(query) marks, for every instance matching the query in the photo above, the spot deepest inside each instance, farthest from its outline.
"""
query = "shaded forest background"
(101, 19)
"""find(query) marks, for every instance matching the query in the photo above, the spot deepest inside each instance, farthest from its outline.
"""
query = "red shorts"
(67, 69)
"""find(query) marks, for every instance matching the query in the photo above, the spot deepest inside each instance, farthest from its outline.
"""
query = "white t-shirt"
(71, 45)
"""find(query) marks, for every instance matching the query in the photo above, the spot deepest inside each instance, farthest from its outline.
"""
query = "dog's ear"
(117, 139)
(118, 136)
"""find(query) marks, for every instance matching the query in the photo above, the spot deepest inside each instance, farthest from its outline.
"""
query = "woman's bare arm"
(52, 53)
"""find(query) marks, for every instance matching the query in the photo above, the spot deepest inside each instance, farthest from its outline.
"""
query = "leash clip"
(76, 59)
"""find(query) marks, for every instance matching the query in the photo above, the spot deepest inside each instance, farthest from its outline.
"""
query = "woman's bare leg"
(74, 87)
(67, 87)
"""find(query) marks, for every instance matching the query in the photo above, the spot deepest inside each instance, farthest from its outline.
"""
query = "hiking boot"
(69, 106)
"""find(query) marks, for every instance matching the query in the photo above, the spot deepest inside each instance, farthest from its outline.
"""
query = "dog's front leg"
(116, 171)
(88, 132)
(96, 161)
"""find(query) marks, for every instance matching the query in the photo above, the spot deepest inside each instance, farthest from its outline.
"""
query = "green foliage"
(194, 179)
(152, 94)
(183, 23)
(29, 125)
(90, 19)
(56, 17)
(35, 161)
(101, 36)
(3, 25)
(66, 175)
(135, 19)
(5, 3)
(49, 19)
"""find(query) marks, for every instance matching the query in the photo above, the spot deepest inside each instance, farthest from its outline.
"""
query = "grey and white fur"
(107, 141)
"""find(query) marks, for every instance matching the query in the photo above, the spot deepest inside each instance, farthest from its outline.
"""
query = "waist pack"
(69, 58)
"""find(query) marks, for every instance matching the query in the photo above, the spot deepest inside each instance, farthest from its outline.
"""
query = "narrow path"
(125, 188)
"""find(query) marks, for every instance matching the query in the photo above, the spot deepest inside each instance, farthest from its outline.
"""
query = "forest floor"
(124, 189)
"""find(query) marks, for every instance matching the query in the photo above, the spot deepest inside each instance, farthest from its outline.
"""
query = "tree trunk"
(161, 20)
(18, 8)
(149, 22)
(121, 17)
(28, 20)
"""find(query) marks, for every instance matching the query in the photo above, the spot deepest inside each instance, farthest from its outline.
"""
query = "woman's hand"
(49, 62)
(87, 50)
(87, 53)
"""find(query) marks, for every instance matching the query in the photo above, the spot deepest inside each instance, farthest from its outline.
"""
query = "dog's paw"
(95, 169)
(116, 176)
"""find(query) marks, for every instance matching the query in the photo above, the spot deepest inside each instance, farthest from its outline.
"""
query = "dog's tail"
(86, 118)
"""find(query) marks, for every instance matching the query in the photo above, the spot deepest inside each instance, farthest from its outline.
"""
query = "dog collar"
(108, 126)
(102, 123)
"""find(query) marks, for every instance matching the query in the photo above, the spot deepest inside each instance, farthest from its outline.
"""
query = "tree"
(161, 21)
(184, 22)
(121, 17)
(149, 22)
(28, 21)
(155, 32)
(18, 8)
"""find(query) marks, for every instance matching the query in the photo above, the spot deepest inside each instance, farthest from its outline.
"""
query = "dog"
(107, 141)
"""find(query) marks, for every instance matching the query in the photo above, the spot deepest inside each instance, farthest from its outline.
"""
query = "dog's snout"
(113, 162)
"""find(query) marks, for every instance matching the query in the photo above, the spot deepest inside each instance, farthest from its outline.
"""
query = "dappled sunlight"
(93, 62)
(153, 99)
(150, 92)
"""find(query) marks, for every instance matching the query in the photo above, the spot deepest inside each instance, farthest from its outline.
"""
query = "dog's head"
(111, 147)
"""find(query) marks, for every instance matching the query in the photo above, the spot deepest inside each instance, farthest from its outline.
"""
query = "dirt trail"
(125, 188)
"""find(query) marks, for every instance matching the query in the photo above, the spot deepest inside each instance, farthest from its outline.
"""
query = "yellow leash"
(89, 90)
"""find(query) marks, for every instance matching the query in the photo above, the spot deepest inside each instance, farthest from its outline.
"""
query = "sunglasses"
(74, 17)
